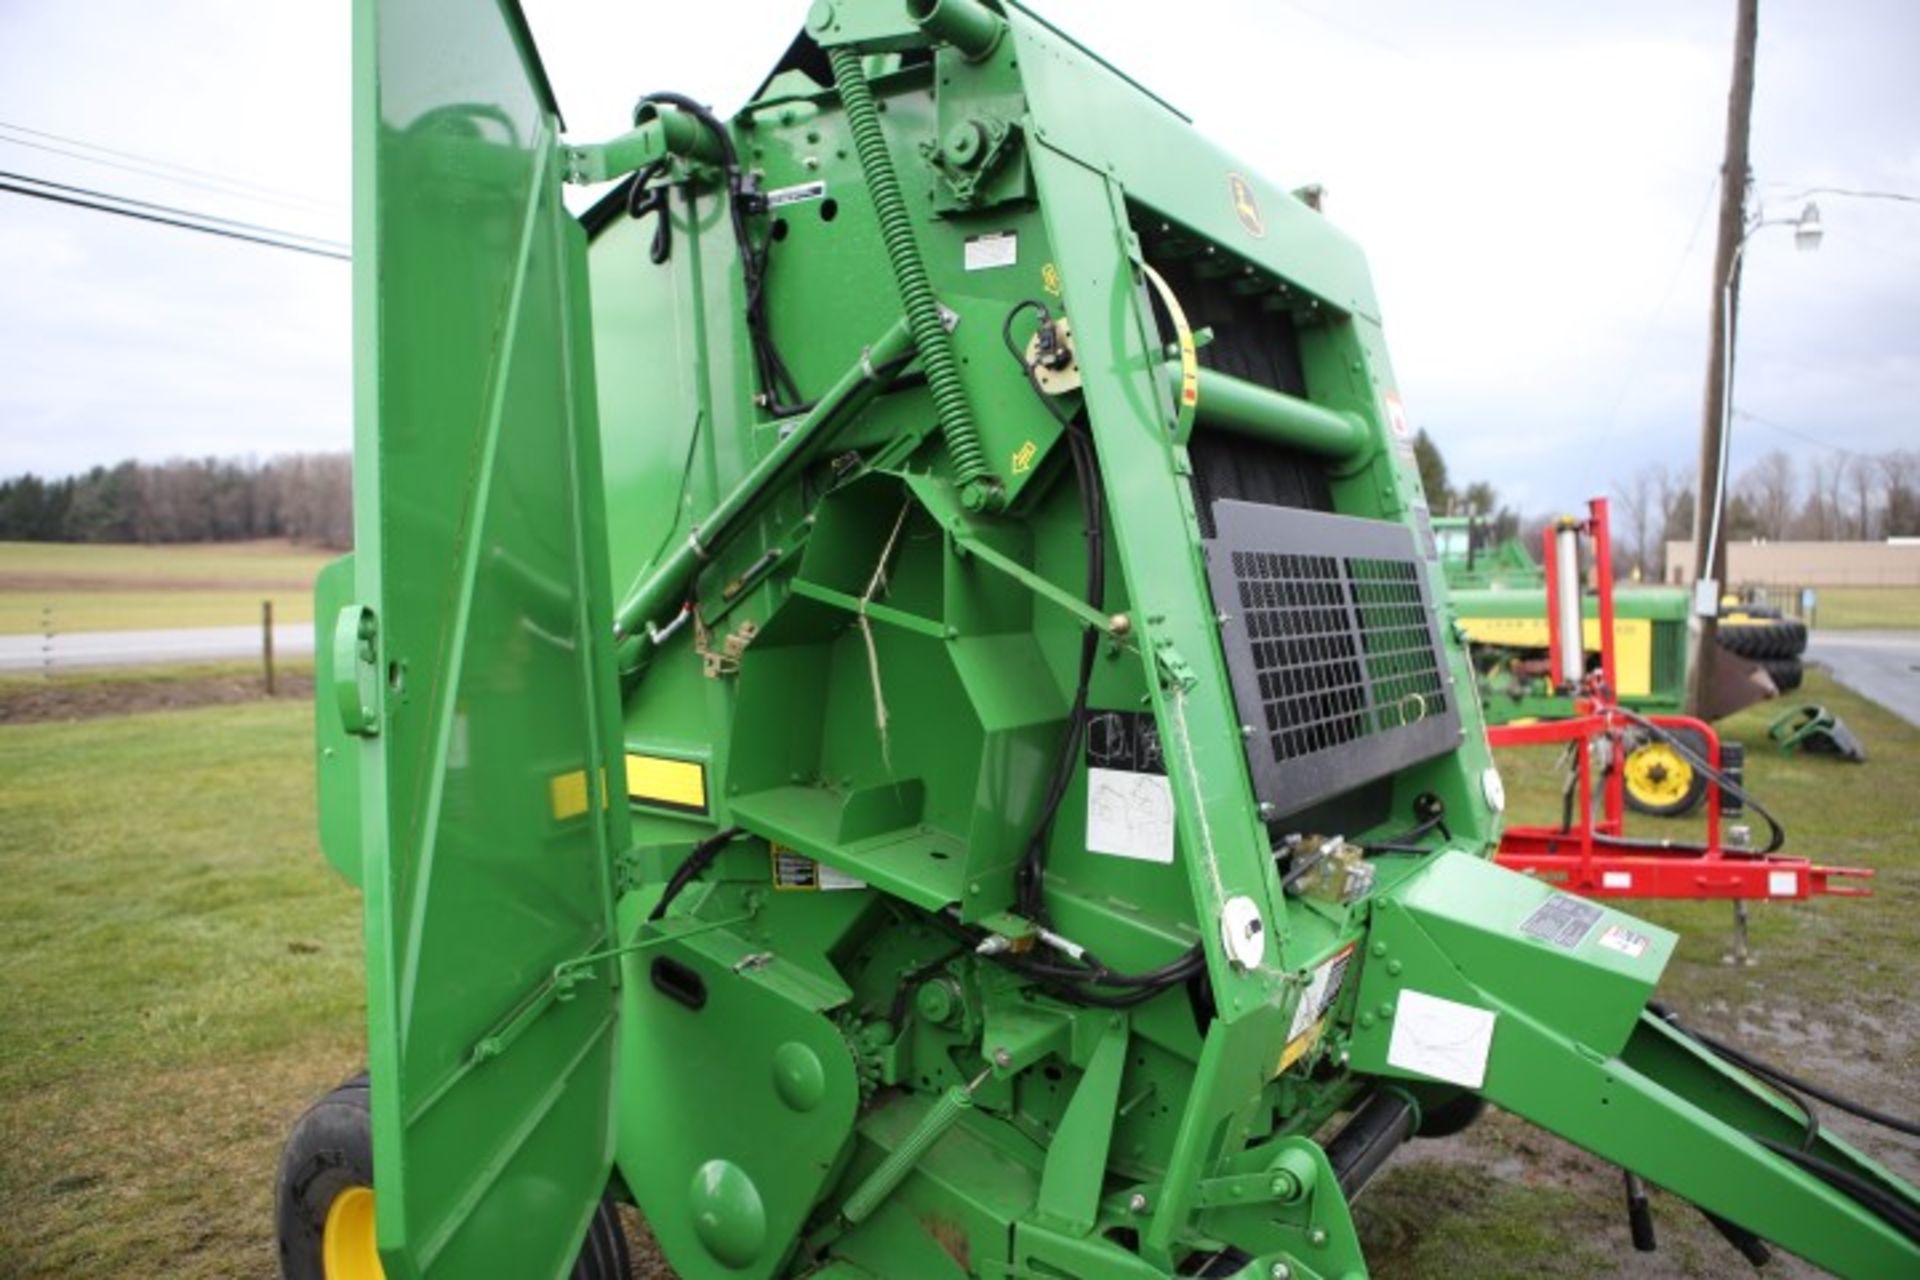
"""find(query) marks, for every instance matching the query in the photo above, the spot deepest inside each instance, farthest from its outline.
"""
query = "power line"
(152, 164)
(187, 221)
(171, 209)
(1666, 296)
(1786, 430)
(1852, 193)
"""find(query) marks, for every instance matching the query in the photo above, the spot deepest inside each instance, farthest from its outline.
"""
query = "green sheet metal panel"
(481, 558)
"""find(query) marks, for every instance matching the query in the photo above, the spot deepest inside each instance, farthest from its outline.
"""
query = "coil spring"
(930, 334)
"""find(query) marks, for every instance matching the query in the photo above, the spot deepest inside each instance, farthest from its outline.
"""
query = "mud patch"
(28, 702)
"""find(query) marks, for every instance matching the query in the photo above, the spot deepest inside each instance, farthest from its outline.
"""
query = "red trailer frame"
(1593, 856)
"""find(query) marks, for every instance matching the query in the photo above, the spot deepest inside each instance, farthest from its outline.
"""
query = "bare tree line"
(305, 497)
(1777, 498)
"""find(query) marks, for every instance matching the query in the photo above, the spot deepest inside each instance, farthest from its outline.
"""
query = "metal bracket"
(558, 987)
(726, 661)
(356, 670)
(1173, 669)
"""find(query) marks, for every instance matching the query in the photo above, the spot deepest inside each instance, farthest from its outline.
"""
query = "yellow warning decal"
(669, 783)
(567, 792)
(1297, 1047)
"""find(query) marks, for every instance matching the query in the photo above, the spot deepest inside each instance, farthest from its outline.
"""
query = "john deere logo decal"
(1245, 207)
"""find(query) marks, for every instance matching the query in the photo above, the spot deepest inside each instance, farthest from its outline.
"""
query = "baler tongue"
(1536, 1000)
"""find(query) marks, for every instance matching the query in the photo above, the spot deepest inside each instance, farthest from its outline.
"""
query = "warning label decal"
(1562, 920)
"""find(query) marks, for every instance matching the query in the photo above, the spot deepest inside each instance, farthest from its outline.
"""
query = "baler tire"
(1456, 1115)
(604, 1254)
(329, 1154)
(328, 1158)
(1786, 673)
(1646, 768)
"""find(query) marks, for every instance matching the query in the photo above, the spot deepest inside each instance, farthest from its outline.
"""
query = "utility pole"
(1709, 531)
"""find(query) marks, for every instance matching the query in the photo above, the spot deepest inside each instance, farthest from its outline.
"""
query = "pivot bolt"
(1317, 1237)
(1280, 1271)
(1002, 1059)
(1136, 1203)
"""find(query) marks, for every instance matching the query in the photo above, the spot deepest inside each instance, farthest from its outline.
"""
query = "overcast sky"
(1532, 182)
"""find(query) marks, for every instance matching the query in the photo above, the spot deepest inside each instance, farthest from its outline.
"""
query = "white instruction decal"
(1783, 884)
(1616, 879)
(1441, 1038)
(1000, 249)
(1130, 815)
(1628, 943)
(793, 870)
(794, 195)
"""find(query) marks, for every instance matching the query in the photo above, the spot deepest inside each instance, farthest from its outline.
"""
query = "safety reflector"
(668, 783)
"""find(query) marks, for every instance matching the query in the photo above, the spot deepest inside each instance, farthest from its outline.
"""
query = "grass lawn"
(182, 976)
(1867, 608)
(111, 587)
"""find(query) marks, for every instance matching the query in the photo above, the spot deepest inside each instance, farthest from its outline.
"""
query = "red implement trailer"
(1590, 852)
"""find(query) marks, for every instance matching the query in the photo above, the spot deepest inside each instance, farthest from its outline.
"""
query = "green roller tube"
(665, 584)
(966, 25)
(1245, 408)
(880, 1184)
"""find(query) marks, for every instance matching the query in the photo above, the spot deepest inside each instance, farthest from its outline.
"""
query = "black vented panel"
(1332, 649)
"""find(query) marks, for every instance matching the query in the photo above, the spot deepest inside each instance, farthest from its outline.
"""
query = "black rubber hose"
(698, 859)
(1779, 830)
(1758, 1067)
(1895, 1213)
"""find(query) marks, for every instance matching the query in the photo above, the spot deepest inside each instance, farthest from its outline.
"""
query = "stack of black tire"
(1762, 636)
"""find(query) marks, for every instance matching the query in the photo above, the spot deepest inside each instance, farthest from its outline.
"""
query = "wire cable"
(212, 219)
(1698, 761)
(153, 167)
(186, 220)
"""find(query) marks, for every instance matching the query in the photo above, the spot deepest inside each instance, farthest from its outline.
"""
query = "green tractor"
(889, 708)
(1499, 596)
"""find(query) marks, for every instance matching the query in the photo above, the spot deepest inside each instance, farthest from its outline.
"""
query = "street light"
(1807, 234)
(1807, 230)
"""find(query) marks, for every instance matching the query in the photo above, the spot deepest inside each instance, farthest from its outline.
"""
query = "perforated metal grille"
(1402, 666)
(1312, 681)
(1330, 641)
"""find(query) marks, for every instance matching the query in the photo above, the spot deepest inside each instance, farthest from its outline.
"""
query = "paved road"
(1881, 665)
(148, 648)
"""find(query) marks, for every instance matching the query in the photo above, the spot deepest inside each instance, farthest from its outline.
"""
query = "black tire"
(1659, 780)
(1456, 1115)
(330, 1152)
(1758, 641)
(604, 1254)
(1786, 673)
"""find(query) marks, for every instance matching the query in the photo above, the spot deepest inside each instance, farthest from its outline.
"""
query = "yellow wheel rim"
(347, 1248)
(1657, 775)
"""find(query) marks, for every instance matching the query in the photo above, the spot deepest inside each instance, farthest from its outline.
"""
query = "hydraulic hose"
(975, 479)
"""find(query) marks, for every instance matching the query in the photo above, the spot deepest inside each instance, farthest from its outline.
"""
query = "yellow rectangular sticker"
(568, 794)
(668, 783)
